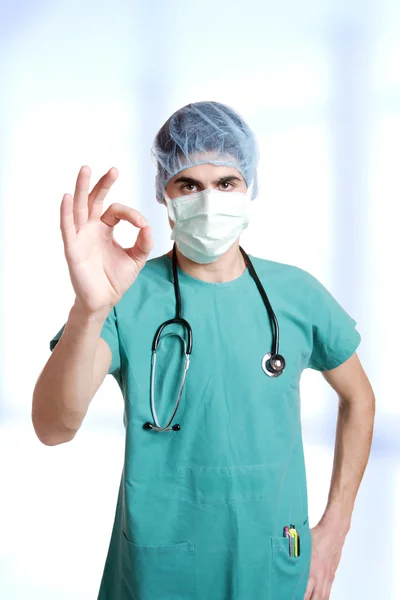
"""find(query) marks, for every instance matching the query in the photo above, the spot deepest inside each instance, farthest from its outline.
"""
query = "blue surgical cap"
(203, 133)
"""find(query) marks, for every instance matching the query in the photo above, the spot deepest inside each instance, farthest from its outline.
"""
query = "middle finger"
(99, 192)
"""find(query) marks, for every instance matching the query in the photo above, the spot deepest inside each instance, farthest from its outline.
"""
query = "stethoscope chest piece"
(273, 365)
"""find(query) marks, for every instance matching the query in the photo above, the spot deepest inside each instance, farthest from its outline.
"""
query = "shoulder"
(283, 273)
(290, 282)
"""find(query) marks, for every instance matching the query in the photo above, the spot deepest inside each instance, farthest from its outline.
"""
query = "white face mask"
(207, 223)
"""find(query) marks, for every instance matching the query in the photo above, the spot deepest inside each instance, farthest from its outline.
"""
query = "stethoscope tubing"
(272, 316)
(273, 364)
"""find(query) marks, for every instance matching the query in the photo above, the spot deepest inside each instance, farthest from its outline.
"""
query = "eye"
(188, 187)
(225, 186)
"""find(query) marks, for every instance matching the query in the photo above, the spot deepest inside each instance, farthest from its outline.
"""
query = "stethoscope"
(272, 363)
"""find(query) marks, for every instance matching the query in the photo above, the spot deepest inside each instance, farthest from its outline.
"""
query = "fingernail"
(142, 221)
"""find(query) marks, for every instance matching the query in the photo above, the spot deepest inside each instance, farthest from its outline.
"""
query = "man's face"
(202, 177)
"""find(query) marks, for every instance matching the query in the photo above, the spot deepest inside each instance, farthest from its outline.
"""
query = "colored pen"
(293, 532)
(288, 535)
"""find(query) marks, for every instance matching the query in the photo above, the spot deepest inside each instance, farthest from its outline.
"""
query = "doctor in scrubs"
(212, 504)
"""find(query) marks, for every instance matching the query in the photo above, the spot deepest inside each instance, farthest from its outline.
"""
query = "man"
(213, 501)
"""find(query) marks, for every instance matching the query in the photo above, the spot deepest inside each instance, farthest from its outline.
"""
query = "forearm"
(352, 448)
(63, 391)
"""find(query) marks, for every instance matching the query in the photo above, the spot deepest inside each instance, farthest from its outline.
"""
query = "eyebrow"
(191, 181)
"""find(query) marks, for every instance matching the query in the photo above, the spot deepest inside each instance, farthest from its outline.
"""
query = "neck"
(227, 267)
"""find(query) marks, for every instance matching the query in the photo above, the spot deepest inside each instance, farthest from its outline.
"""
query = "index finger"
(116, 211)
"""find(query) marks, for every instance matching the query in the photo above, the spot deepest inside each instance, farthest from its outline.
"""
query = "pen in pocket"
(293, 533)
(287, 535)
(294, 539)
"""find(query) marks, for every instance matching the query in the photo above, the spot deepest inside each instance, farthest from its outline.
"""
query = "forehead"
(207, 172)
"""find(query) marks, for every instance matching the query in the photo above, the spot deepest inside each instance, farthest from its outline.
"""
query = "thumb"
(142, 247)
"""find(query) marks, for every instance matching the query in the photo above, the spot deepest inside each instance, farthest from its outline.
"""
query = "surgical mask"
(207, 223)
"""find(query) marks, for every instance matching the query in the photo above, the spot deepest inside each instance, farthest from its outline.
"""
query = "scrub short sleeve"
(109, 333)
(334, 337)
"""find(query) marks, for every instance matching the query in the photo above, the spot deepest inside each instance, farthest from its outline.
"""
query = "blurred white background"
(85, 82)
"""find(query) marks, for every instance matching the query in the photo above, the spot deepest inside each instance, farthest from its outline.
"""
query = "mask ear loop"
(170, 208)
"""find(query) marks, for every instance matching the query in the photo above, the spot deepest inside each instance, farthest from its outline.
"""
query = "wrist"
(334, 521)
(80, 316)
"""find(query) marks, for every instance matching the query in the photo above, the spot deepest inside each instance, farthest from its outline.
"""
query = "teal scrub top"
(201, 511)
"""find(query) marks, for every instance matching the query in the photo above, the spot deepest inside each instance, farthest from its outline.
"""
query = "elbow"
(52, 440)
(50, 436)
